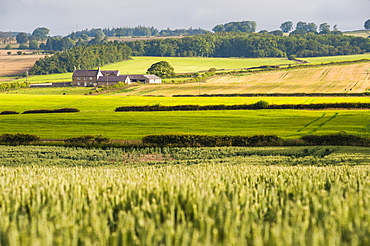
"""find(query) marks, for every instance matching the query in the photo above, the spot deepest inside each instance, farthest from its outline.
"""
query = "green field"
(135, 125)
(139, 65)
(190, 196)
(326, 59)
(22, 102)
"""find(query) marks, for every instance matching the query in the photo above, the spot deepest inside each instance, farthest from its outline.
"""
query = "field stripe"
(312, 122)
(316, 124)
(324, 123)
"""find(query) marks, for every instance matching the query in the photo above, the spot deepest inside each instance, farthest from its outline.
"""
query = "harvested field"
(12, 65)
(353, 78)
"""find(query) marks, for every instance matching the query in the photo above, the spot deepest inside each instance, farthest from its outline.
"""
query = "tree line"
(206, 45)
(135, 31)
(252, 45)
(82, 57)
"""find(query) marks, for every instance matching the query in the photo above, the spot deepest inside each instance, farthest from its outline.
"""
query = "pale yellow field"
(361, 33)
(331, 79)
(14, 64)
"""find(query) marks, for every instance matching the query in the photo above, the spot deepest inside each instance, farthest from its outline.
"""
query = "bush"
(9, 112)
(260, 105)
(292, 57)
(18, 138)
(43, 111)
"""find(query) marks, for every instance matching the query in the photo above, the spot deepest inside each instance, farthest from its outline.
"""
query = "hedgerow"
(18, 138)
(258, 105)
(9, 112)
(43, 111)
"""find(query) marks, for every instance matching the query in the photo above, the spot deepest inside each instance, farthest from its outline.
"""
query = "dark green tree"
(311, 27)
(41, 33)
(162, 69)
(241, 26)
(67, 43)
(33, 45)
(277, 33)
(324, 28)
(367, 24)
(22, 38)
(286, 26)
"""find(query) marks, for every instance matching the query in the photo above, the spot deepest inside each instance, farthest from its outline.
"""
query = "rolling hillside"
(353, 78)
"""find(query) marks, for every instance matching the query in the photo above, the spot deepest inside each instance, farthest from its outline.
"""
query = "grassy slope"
(139, 65)
(134, 125)
(360, 33)
(193, 64)
(327, 79)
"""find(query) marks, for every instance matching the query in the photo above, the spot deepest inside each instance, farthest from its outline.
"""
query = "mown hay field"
(353, 78)
(135, 125)
(190, 196)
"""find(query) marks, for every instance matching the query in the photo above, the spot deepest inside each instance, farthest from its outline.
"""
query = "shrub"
(292, 57)
(18, 138)
(43, 111)
(260, 105)
(9, 112)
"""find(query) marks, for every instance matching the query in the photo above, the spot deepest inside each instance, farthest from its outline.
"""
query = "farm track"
(316, 124)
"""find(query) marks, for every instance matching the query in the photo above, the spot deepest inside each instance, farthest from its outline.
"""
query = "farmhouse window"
(84, 78)
(78, 78)
(91, 78)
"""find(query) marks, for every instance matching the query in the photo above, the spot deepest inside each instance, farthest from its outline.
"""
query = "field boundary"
(258, 105)
(364, 94)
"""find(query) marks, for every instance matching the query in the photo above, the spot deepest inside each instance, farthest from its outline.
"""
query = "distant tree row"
(303, 28)
(252, 45)
(82, 57)
(39, 34)
(134, 31)
(241, 26)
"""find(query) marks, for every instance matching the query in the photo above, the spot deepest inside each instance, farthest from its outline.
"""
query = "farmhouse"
(89, 78)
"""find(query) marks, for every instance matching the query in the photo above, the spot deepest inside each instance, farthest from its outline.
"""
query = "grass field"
(359, 33)
(139, 65)
(135, 125)
(55, 99)
(193, 64)
(190, 196)
(326, 59)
